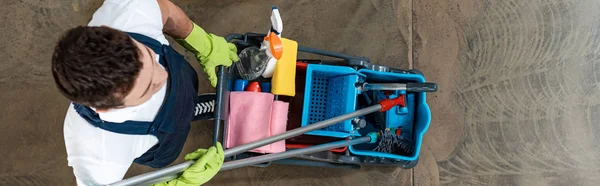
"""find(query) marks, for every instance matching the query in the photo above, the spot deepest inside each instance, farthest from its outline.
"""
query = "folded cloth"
(278, 124)
(254, 116)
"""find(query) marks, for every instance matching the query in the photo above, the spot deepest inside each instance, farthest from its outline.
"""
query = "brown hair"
(95, 66)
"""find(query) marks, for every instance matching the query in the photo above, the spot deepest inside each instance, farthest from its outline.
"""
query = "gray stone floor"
(517, 102)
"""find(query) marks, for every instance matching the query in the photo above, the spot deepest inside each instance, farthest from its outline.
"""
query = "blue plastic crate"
(330, 91)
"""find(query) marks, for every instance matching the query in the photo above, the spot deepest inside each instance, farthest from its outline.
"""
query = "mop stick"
(175, 169)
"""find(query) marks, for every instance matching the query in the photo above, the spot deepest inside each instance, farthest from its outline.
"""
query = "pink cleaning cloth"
(278, 124)
(251, 119)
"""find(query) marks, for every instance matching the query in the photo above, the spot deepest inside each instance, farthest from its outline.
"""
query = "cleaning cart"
(327, 88)
(345, 113)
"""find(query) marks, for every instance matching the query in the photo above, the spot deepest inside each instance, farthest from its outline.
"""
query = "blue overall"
(172, 122)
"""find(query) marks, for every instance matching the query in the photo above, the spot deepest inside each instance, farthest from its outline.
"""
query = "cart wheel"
(415, 71)
(410, 165)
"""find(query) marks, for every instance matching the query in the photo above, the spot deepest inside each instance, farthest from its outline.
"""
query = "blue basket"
(330, 91)
(415, 119)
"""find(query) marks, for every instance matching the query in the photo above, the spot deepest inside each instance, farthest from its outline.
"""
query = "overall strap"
(153, 44)
(127, 127)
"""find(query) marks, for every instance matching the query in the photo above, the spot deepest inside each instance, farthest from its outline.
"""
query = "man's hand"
(207, 165)
(210, 50)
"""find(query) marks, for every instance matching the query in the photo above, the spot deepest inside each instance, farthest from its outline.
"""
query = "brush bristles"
(389, 142)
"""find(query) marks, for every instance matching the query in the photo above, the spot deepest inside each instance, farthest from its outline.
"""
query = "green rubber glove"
(207, 165)
(210, 50)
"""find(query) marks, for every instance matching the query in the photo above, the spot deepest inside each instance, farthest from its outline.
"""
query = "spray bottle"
(272, 43)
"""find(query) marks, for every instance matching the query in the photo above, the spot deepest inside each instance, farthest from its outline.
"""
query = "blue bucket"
(415, 118)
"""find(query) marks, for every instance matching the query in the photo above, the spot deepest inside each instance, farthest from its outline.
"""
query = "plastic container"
(240, 85)
(415, 121)
(330, 91)
(252, 63)
(265, 86)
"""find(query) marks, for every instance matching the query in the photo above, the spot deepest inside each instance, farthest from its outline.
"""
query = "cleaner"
(256, 62)
(272, 44)
(133, 96)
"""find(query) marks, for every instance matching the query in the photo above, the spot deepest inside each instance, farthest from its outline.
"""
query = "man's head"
(104, 68)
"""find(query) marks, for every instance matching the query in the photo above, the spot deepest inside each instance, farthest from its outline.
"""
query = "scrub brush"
(377, 119)
(392, 141)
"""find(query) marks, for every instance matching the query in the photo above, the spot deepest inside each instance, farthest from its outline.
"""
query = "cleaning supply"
(210, 50)
(253, 87)
(265, 86)
(275, 45)
(249, 118)
(272, 43)
(240, 85)
(208, 163)
(380, 119)
(256, 62)
(278, 123)
(392, 141)
(276, 21)
(254, 116)
(408, 87)
(252, 63)
(283, 82)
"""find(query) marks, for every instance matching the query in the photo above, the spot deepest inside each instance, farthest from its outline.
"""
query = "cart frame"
(326, 159)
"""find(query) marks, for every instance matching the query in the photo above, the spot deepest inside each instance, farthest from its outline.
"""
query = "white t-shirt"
(100, 157)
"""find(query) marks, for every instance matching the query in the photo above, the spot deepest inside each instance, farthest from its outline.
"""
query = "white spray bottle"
(272, 43)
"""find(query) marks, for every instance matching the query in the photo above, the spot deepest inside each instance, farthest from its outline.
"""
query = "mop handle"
(409, 87)
(371, 138)
(169, 171)
(299, 131)
(287, 154)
